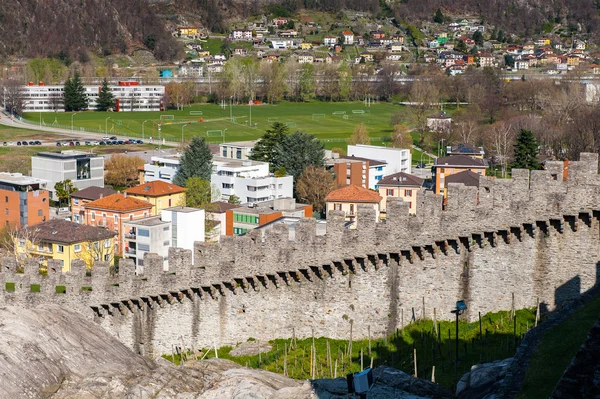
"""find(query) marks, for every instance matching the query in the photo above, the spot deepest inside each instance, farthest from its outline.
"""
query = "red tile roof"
(156, 188)
(119, 203)
(353, 193)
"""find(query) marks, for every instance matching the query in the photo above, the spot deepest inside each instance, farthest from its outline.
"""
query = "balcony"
(130, 251)
(130, 236)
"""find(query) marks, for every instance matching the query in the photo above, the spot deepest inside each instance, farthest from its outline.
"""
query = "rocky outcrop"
(48, 352)
(483, 381)
(251, 348)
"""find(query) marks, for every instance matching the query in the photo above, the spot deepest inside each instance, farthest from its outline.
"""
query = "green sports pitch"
(331, 122)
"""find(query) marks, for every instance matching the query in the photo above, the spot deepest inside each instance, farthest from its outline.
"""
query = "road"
(66, 134)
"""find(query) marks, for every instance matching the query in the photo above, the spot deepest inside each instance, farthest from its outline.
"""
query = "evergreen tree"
(106, 99)
(494, 34)
(74, 94)
(296, 151)
(526, 151)
(478, 38)
(196, 161)
(264, 151)
(500, 36)
(439, 17)
(461, 46)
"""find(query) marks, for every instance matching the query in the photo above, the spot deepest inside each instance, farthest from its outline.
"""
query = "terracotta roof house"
(160, 194)
(81, 198)
(112, 211)
(400, 185)
(348, 198)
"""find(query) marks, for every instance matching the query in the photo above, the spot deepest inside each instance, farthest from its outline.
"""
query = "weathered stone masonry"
(534, 235)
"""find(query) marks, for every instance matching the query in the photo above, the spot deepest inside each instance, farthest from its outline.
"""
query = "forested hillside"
(74, 28)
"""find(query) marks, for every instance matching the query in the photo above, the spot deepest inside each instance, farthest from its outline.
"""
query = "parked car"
(18, 143)
(31, 142)
(58, 144)
(95, 143)
(71, 144)
(120, 142)
(105, 138)
(421, 166)
(140, 141)
(88, 143)
(11, 143)
(77, 143)
(113, 137)
(100, 143)
(4, 143)
(109, 142)
(37, 142)
(24, 143)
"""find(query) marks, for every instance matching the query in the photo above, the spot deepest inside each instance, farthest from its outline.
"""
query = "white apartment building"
(241, 35)
(82, 168)
(250, 181)
(397, 159)
(129, 96)
(177, 227)
(160, 168)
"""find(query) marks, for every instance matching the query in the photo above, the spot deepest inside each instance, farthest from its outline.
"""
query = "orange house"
(25, 200)
(450, 165)
(113, 211)
(83, 197)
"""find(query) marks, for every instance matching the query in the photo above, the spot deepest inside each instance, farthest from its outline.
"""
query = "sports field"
(330, 122)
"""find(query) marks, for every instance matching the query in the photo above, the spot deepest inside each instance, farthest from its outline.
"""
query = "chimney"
(101, 195)
(124, 194)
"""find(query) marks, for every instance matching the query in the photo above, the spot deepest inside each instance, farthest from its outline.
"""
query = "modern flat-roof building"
(25, 200)
(359, 171)
(240, 220)
(238, 150)
(250, 181)
(82, 168)
(160, 168)
(129, 96)
(397, 159)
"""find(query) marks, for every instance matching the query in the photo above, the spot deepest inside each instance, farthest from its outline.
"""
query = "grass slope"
(397, 350)
(555, 351)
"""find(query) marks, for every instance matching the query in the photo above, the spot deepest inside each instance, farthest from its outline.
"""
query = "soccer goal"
(358, 111)
(271, 120)
(318, 117)
(337, 113)
(167, 117)
(214, 133)
(345, 117)
(290, 124)
(195, 113)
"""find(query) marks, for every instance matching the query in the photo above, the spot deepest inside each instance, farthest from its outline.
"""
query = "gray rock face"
(483, 379)
(48, 352)
(251, 348)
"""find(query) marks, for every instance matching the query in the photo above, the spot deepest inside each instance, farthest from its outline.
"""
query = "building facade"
(450, 165)
(66, 241)
(158, 193)
(144, 235)
(400, 185)
(397, 159)
(83, 169)
(129, 96)
(240, 220)
(81, 198)
(25, 199)
(238, 150)
(160, 168)
(250, 181)
(370, 171)
(347, 199)
(112, 212)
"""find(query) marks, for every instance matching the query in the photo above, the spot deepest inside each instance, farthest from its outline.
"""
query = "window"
(130, 217)
(442, 170)
(224, 152)
(75, 201)
(337, 207)
(408, 193)
(379, 168)
(145, 214)
(352, 209)
(106, 243)
(166, 228)
(390, 192)
(116, 218)
(166, 243)
(378, 177)
(143, 247)
(93, 215)
(21, 243)
(77, 247)
(40, 212)
(143, 233)
(6, 211)
(238, 154)
(169, 201)
(107, 258)
(6, 198)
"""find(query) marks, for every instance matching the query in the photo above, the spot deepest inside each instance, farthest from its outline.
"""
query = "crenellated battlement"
(502, 215)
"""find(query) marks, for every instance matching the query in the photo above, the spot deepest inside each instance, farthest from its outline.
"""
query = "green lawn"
(555, 351)
(314, 117)
(397, 350)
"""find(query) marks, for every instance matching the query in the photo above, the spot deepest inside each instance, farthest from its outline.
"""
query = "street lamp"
(74, 113)
(440, 148)
(230, 110)
(143, 129)
(224, 134)
(461, 306)
(182, 131)
(250, 106)
(106, 125)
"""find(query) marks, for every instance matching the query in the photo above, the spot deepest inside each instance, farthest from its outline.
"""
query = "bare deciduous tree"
(423, 96)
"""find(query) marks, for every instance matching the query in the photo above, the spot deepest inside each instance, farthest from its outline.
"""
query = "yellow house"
(203, 53)
(306, 45)
(158, 193)
(400, 185)
(187, 30)
(65, 242)
(450, 165)
(348, 198)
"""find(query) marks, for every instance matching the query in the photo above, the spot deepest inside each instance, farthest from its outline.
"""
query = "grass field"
(555, 351)
(332, 129)
(397, 350)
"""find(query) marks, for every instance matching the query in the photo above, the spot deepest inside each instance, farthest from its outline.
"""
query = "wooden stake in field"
(434, 322)
(335, 372)
(512, 312)
(285, 372)
(415, 361)
(537, 312)
(369, 329)
(433, 374)
(361, 360)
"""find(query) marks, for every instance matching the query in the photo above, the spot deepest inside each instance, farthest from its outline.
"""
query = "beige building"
(348, 198)
(400, 185)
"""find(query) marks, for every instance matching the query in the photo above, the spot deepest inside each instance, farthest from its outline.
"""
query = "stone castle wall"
(534, 236)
